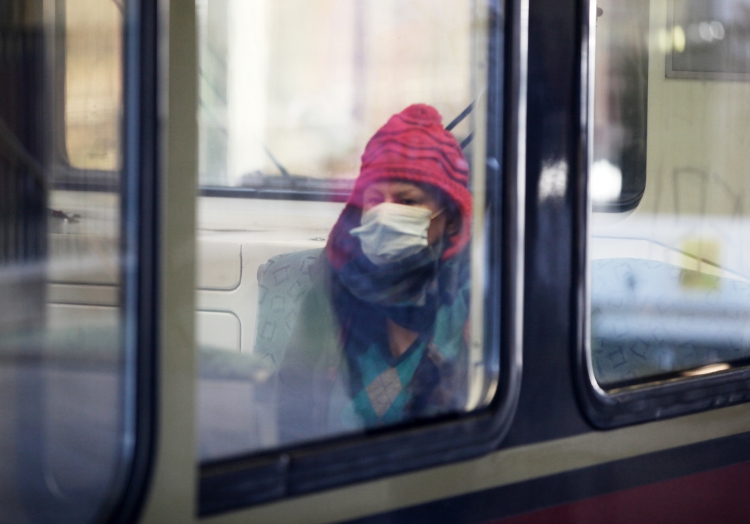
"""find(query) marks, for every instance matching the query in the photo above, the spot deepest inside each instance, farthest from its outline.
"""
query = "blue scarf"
(406, 290)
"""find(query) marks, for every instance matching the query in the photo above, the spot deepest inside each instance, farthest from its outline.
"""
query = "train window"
(669, 276)
(67, 324)
(344, 268)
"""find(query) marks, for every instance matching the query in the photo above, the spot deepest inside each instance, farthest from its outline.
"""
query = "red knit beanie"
(412, 146)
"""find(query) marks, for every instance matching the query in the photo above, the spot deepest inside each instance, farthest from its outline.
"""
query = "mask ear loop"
(436, 214)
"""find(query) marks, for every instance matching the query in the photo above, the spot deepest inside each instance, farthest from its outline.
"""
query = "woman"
(381, 337)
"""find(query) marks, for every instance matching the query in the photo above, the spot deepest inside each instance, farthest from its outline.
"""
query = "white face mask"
(392, 232)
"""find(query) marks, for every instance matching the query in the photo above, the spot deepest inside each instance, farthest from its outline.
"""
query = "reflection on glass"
(618, 175)
(670, 288)
(354, 304)
(296, 87)
(61, 350)
(93, 83)
(709, 40)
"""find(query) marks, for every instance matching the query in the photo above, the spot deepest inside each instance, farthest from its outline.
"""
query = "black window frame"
(140, 187)
(653, 397)
(234, 483)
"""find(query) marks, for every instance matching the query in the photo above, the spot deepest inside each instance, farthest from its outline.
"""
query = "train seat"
(237, 394)
(283, 282)
(649, 318)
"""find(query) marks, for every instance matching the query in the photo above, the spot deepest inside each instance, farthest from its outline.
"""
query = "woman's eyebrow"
(409, 192)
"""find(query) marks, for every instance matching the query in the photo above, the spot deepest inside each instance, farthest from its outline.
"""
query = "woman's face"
(408, 194)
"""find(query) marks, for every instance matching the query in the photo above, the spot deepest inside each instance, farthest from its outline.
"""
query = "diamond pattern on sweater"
(383, 390)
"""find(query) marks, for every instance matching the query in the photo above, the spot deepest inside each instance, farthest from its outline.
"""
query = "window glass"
(670, 278)
(352, 299)
(63, 434)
